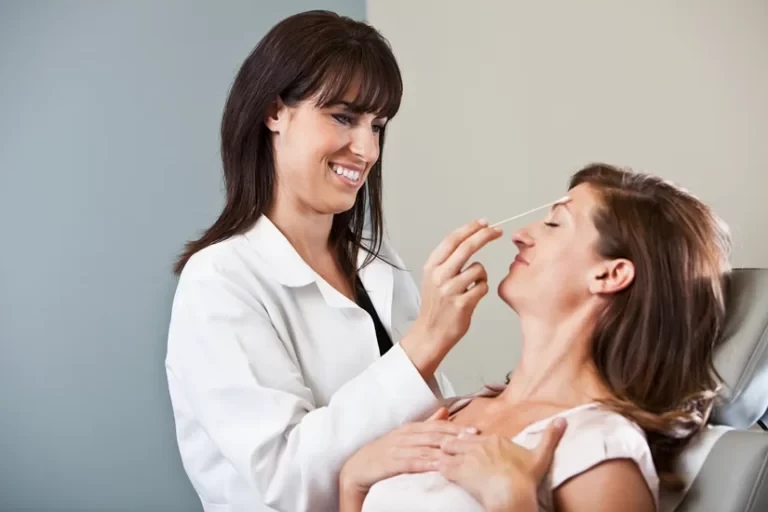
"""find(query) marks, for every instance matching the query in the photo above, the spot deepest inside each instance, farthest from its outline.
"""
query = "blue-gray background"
(109, 161)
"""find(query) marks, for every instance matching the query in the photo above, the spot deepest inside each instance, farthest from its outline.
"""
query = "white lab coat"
(275, 377)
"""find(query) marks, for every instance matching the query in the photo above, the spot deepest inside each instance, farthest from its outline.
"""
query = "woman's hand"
(498, 473)
(412, 448)
(450, 293)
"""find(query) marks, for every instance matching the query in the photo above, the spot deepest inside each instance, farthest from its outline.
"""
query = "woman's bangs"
(364, 83)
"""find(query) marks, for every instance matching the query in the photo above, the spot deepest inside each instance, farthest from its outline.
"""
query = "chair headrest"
(742, 359)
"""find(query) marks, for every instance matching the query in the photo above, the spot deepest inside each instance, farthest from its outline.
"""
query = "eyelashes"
(343, 118)
(551, 224)
(347, 120)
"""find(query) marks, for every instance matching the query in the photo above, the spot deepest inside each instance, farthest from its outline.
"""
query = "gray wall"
(109, 117)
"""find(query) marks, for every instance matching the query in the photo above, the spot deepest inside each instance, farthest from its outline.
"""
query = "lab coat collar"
(292, 271)
(286, 264)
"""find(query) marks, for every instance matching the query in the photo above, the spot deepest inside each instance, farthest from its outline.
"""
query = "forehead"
(582, 198)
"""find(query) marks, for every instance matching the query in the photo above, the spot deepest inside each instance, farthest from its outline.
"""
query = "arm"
(227, 364)
(616, 484)
(350, 499)
(519, 498)
(606, 464)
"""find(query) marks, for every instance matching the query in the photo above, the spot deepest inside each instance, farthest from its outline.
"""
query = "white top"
(593, 435)
(275, 377)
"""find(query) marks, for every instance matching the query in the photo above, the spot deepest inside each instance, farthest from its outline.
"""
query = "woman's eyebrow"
(563, 199)
(348, 106)
(564, 205)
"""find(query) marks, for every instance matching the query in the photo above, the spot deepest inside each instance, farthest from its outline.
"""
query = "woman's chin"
(340, 205)
(506, 291)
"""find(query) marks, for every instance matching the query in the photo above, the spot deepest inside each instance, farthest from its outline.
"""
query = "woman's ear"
(276, 115)
(612, 276)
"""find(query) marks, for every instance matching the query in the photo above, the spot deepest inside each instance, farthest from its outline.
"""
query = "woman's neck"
(308, 231)
(556, 365)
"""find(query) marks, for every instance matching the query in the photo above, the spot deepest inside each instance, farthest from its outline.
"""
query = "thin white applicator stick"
(564, 199)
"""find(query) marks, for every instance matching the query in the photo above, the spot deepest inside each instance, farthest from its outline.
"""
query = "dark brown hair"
(654, 344)
(318, 55)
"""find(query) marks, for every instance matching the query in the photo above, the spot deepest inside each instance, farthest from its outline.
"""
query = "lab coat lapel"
(377, 279)
(287, 266)
(292, 271)
(332, 296)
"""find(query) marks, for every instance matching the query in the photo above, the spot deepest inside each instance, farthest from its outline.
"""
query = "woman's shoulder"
(595, 435)
(230, 276)
(223, 264)
(216, 258)
(596, 419)
(261, 256)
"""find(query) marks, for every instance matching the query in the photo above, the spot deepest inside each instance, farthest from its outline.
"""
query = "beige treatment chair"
(726, 469)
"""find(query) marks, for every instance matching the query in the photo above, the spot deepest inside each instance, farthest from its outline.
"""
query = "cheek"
(329, 140)
(554, 252)
(564, 264)
(573, 275)
(316, 140)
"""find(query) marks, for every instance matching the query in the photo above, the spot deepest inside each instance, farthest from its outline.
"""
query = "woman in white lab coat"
(297, 334)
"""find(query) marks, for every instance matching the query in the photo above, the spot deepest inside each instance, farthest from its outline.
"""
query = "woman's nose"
(365, 144)
(522, 238)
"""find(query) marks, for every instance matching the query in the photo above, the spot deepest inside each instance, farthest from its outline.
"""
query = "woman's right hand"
(412, 448)
(449, 295)
(499, 473)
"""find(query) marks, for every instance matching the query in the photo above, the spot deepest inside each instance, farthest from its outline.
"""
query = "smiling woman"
(321, 100)
(296, 335)
(329, 147)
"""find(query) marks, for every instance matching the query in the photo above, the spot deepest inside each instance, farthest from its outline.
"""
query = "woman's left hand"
(497, 472)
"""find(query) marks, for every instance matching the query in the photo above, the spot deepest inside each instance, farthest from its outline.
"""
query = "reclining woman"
(620, 295)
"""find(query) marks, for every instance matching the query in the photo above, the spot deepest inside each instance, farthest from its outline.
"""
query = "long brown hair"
(654, 344)
(314, 54)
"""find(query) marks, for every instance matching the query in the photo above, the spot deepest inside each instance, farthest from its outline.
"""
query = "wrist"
(351, 500)
(422, 352)
(515, 504)
(350, 480)
(347, 482)
(512, 496)
(351, 494)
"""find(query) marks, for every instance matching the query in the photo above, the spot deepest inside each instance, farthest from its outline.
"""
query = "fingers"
(429, 439)
(452, 241)
(440, 414)
(449, 466)
(460, 256)
(471, 298)
(437, 426)
(461, 444)
(418, 459)
(475, 273)
(545, 451)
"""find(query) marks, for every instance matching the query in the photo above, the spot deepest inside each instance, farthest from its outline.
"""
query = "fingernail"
(497, 229)
(559, 422)
(470, 430)
(483, 222)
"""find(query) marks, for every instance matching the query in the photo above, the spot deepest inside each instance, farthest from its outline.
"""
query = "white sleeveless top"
(593, 435)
